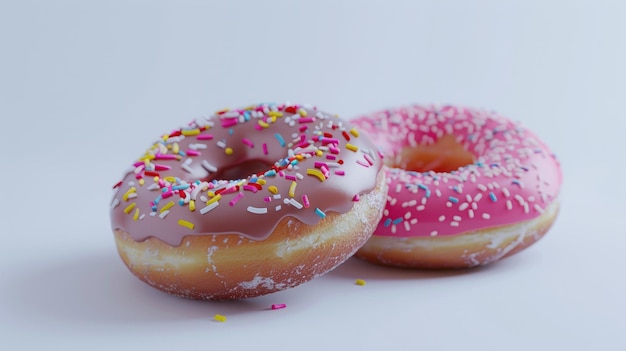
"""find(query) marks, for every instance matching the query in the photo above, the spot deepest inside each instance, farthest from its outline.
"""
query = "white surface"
(84, 88)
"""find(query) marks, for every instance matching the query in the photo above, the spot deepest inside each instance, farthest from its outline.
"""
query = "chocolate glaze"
(231, 138)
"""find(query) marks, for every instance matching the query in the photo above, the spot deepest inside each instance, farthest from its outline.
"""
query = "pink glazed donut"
(247, 202)
(467, 187)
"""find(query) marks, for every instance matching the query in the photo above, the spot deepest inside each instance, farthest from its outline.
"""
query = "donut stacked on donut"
(248, 202)
(467, 187)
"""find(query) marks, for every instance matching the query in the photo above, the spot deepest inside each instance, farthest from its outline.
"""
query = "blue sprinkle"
(154, 208)
(156, 201)
(427, 195)
(492, 196)
(516, 182)
(246, 115)
(422, 186)
(180, 187)
(320, 212)
(397, 220)
(280, 139)
(164, 189)
(387, 222)
(480, 164)
(230, 131)
(456, 188)
(181, 202)
(182, 153)
(453, 199)
(270, 173)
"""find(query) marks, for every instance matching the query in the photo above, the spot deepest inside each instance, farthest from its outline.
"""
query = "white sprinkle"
(482, 187)
(538, 208)
(221, 144)
(463, 206)
(210, 207)
(295, 203)
(456, 218)
(486, 216)
(188, 161)
(209, 167)
(115, 203)
(433, 233)
(154, 186)
(186, 168)
(509, 205)
(142, 216)
(478, 197)
(506, 193)
(470, 213)
(163, 214)
(197, 146)
(442, 218)
(526, 209)
(420, 208)
(454, 224)
(278, 208)
(407, 226)
(257, 210)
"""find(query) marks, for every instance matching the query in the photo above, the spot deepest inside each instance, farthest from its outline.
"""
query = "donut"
(467, 187)
(247, 202)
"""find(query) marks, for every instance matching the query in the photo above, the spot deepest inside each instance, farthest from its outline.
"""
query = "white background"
(85, 87)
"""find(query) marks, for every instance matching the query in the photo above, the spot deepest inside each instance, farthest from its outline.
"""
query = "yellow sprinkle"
(156, 179)
(210, 193)
(167, 206)
(299, 157)
(188, 132)
(272, 189)
(129, 208)
(214, 198)
(292, 189)
(223, 110)
(273, 119)
(317, 173)
(136, 215)
(141, 181)
(186, 224)
(360, 282)
(170, 179)
(131, 190)
(229, 151)
(352, 147)
(263, 124)
(354, 132)
(175, 148)
(261, 181)
(192, 205)
(319, 152)
(302, 112)
(275, 114)
(219, 318)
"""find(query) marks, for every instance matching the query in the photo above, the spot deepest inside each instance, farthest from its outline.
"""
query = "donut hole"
(445, 155)
(241, 170)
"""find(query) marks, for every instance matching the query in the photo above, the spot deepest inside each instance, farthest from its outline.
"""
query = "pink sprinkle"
(204, 136)
(138, 163)
(305, 200)
(230, 190)
(161, 167)
(165, 157)
(138, 176)
(258, 127)
(334, 150)
(250, 188)
(247, 142)
(319, 164)
(303, 128)
(235, 199)
(325, 171)
(331, 157)
(167, 194)
(356, 198)
(229, 122)
(368, 159)
(281, 174)
(340, 172)
(278, 306)
(380, 154)
(193, 153)
(305, 120)
(327, 141)
(264, 148)
(291, 177)
(364, 164)
(267, 199)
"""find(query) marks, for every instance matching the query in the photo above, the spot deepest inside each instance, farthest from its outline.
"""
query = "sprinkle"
(387, 222)
(360, 282)
(280, 139)
(354, 132)
(264, 148)
(234, 200)
(131, 190)
(130, 207)
(163, 214)
(316, 173)
(292, 189)
(272, 189)
(352, 147)
(493, 197)
(305, 201)
(247, 142)
(356, 198)
(486, 216)
(219, 318)
(209, 167)
(228, 151)
(257, 210)
(278, 306)
(453, 199)
(186, 224)
(294, 203)
(167, 207)
(209, 207)
(320, 213)
(136, 215)
(214, 199)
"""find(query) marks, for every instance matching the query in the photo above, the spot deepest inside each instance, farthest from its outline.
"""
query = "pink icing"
(514, 176)
(300, 172)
